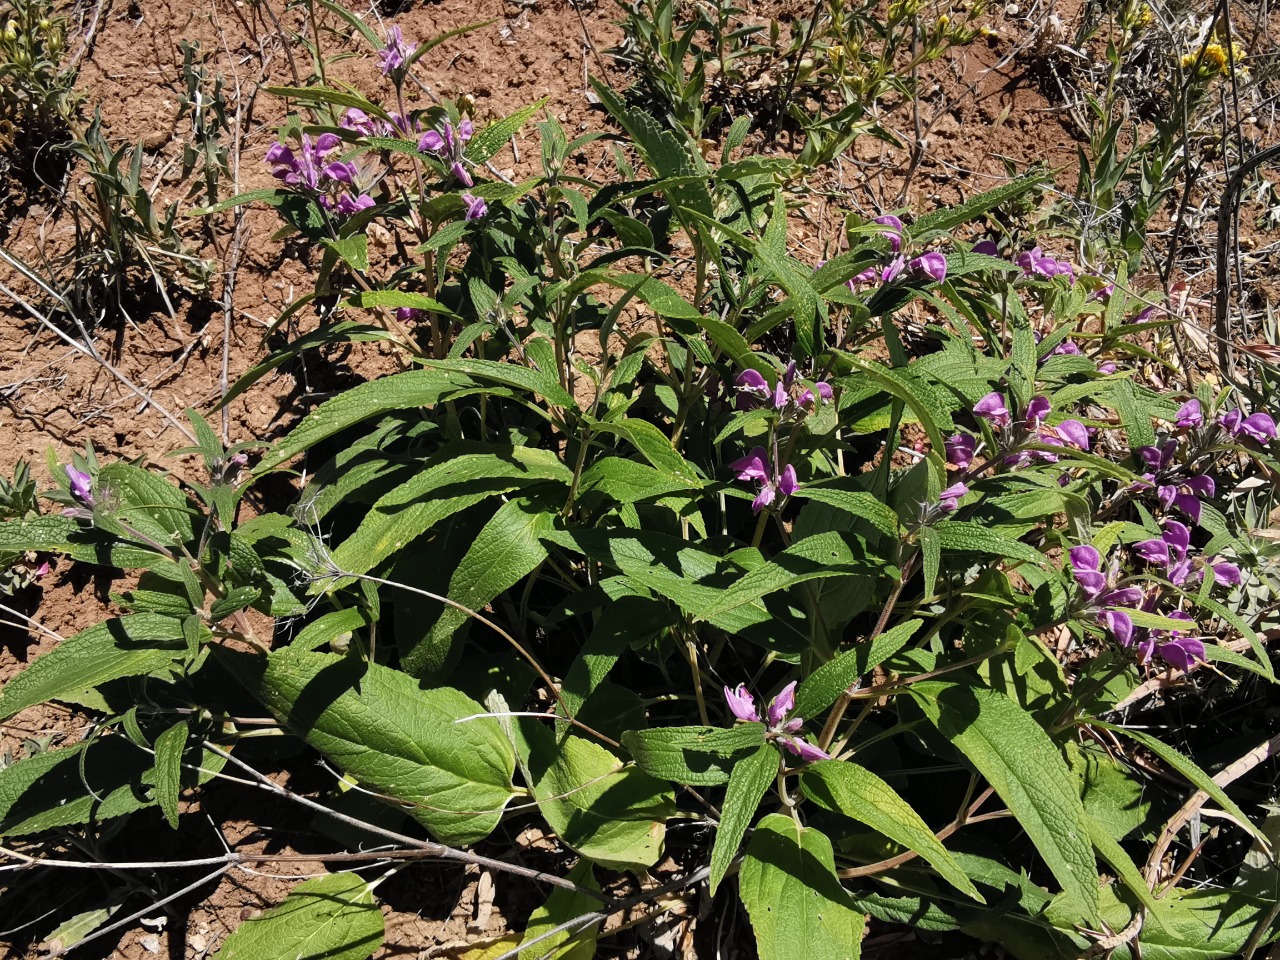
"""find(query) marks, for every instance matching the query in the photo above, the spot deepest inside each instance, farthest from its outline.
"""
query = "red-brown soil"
(978, 111)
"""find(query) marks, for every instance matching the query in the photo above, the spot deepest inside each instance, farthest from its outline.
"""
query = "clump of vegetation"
(37, 100)
(709, 566)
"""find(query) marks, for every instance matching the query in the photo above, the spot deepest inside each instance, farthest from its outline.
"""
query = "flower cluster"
(927, 266)
(357, 121)
(333, 182)
(1034, 428)
(448, 146)
(753, 391)
(1112, 606)
(1034, 262)
(743, 706)
(757, 465)
(395, 55)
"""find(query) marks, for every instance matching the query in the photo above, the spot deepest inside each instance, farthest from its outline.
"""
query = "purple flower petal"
(950, 498)
(460, 174)
(1067, 348)
(932, 265)
(754, 466)
(782, 704)
(81, 485)
(763, 498)
(1182, 653)
(1177, 536)
(1075, 433)
(894, 233)
(992, 408)
(741, 704)
(1189, 504)
(1260, 427)
(1201, 486)
(787, 484)
(1085, 558)
(1120, 626)
(803, 749)
(825, 393)
(987, 248)
(476, 207)
(1152, 551)
(326, 142)
(1226, 574)
(1123, 597)
(960, 450)
(1189, 415)
(752, 381)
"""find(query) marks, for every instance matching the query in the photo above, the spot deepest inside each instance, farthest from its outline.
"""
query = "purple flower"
(754, 466)
(1224, 573)
(932, 265)
(476, 208)
(894, 233)
(1189, 415)
(447, 144)
(960, 450)
(895, 267)
(741, 704)
(1152, 551)
(987, 248)
(1108, 368)
(866, 276)
(1259, 426)
(804, 750)
(992, 408)
(825, 393)
(357, 121)
(460, 174)
(395, 53)
(1037, 410)
(408, 314)
(347, 205)
(1119, 624)
(1181, 653)
(1157, 459)
(81, 485)
(1067, 348)
(950, 498)
(1073, 432)
(781, 705)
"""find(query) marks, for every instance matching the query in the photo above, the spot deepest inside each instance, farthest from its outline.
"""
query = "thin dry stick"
(86, 42)
(428, 846)
(1235, 771)
(138, 914)
(533, 662)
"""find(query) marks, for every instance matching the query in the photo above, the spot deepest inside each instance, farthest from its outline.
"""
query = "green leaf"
(698, 756)
(352, 250)
(170, 746)
(506, 550)
(1015, 755)
(1111, 851)
(820, 689)
(817, 557)
(748, 781)
(1197, 777)
(401, 391)
(599, 806)
(943, 220)
(491, 139)
(127, 647)
(797, 907)
(561, 907)
(378, 725)
(627, 481)
(976, 538)
(439, 492)
(394, 299)
(95, 780)
(36, 533)
(149, 502)
(862, 505)
(328, 918)
(541, 382)
(847, 788)
(655, 446)
(271, 194)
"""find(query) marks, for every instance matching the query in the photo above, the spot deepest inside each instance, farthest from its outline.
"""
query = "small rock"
(150, 943)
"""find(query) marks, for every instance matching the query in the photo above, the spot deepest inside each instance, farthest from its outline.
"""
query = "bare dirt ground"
(980, 111)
